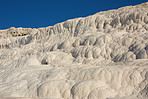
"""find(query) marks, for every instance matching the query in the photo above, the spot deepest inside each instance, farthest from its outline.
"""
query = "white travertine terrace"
(102, 56)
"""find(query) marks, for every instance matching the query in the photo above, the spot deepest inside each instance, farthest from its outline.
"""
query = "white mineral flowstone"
(102, 56)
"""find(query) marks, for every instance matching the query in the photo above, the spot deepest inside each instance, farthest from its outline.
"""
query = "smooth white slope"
(103, 56)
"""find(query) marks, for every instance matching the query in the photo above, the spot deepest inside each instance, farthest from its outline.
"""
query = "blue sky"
(43, 13)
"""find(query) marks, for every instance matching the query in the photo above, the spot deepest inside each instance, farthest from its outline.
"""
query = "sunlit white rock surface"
(102, 56)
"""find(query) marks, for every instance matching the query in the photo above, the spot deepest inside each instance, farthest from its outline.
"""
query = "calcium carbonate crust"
(102, 56)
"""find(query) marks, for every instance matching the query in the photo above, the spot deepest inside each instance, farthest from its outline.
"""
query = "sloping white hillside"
(102, 56)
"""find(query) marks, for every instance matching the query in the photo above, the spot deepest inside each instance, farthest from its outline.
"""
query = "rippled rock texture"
(102, 56)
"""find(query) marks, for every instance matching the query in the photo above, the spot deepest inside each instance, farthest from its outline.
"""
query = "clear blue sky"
(43, 13)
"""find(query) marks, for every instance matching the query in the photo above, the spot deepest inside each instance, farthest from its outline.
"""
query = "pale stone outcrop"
(102, 56)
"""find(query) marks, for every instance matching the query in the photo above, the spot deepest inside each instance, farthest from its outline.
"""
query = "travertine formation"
(102, 56)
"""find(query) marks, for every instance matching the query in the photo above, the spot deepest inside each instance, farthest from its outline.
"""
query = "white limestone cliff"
(102, 56)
